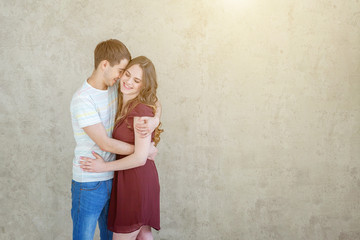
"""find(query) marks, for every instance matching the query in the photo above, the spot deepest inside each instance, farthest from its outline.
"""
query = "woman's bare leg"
(145, 233)
(126, 236)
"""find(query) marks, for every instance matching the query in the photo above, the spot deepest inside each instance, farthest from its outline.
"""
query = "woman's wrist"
(107, 167)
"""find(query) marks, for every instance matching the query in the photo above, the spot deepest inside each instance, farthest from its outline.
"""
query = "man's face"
(113, 73)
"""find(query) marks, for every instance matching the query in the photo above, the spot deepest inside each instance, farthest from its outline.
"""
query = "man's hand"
(152, 152)
(93, 165)
(146, 125)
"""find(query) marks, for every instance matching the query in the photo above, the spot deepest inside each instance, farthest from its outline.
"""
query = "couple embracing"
(116, 117)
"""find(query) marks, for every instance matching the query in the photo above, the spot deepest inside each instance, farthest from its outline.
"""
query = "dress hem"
(125, 232)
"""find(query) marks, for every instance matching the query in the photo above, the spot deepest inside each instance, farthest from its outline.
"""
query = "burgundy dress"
(135, 195)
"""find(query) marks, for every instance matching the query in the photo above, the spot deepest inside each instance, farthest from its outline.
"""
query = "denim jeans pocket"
(90, 186)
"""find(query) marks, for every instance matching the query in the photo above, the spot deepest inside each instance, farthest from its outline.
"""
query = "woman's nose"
(128, 81)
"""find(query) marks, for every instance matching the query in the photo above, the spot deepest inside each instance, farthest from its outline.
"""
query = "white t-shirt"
(90, 106)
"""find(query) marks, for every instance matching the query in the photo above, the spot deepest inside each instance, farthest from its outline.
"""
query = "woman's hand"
(93, 165)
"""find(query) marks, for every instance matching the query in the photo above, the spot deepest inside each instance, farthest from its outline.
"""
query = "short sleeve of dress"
(141, 110)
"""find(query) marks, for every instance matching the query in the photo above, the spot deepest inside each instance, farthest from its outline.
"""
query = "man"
(93, 109)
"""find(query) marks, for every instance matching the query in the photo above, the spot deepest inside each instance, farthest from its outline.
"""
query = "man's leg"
(105, 234)
(88, 200)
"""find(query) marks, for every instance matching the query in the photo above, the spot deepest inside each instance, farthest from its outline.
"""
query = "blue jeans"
(90, 204)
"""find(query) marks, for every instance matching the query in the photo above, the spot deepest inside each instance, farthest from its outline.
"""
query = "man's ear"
(103, 64)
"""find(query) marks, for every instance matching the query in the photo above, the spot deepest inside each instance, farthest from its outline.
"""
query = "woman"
(135, 198)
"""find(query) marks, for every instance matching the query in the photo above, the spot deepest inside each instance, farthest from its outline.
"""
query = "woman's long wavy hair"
(146, 96)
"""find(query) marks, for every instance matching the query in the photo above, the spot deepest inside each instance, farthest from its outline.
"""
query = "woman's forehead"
(136, 71)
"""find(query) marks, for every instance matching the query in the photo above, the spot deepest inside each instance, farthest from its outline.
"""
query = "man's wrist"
(157, 122)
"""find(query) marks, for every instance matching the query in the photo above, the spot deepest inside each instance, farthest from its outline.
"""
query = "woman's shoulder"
(141, 110)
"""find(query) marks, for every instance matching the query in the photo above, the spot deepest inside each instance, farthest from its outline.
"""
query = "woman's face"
(131, 81)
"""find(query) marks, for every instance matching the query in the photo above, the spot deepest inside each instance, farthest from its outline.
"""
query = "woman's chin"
(128, 95)
(124, 91)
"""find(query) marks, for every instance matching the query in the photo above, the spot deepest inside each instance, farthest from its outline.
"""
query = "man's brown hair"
(111, 50)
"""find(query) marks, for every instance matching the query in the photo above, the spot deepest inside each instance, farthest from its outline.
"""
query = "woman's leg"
(126, 236)
(145, 233)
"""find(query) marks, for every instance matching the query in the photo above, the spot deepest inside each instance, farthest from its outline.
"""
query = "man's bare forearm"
(98, 134)
(118, 147)
(158, 110)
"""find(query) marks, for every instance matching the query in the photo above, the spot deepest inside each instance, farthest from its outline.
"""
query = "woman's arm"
(138, 158)
(146, 125)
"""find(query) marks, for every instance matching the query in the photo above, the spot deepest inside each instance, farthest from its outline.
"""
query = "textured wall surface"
(261, 111)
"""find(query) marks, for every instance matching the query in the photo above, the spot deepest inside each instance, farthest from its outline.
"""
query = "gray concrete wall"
(261, 111)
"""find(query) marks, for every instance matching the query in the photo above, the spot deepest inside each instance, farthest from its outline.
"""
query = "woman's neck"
(126, 99)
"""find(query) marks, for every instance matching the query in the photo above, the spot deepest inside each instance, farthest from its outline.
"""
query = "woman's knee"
(125, 236)
(145, 233)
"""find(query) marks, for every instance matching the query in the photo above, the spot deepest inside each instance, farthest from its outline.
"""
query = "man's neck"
(96, 81)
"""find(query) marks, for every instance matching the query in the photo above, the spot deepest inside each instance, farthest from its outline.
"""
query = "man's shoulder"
(80, 96)
(82, 92)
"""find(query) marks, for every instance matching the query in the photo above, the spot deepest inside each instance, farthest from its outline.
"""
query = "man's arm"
(138, 158)
(98, 134)
(158, 110)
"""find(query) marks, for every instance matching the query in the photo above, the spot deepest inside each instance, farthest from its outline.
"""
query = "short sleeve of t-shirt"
(84, 111)
(141, 110)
